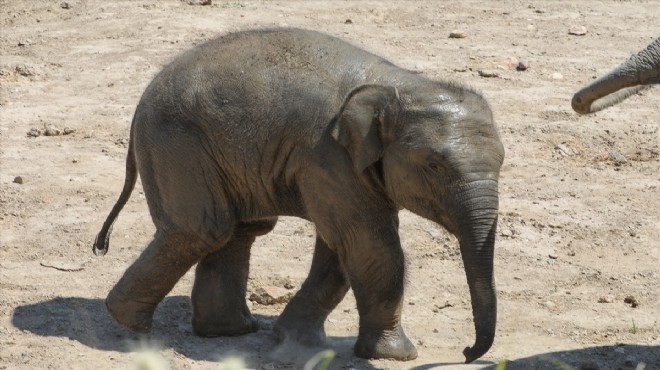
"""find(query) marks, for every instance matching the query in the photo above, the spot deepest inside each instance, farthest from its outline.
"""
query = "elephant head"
(436, 152)
(637, 73)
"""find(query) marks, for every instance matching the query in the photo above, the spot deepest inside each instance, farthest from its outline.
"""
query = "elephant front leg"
(326, 285)
(133, 300)
(374, 262)
(218, 295)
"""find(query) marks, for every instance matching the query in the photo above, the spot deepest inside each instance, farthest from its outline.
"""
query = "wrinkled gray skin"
(259, 124)
(637, 73)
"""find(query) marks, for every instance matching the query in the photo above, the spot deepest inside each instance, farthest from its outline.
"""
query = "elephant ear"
(363, 118)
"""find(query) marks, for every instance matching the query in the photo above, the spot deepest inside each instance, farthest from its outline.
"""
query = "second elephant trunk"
(641, 70)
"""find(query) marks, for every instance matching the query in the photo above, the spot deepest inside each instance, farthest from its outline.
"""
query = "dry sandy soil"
(579, 226)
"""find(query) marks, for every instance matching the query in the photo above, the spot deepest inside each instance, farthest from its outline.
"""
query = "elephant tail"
(102, 242)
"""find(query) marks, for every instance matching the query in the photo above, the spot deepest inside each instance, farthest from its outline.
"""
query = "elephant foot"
(133, 315)
(222, 326)
(391, 344)
(300, 331)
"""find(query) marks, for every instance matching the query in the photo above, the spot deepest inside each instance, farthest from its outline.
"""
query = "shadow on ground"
(618, 357)
(623, 356)
(87, 321)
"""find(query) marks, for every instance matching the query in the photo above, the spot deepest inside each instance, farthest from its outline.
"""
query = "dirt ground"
(578, 250)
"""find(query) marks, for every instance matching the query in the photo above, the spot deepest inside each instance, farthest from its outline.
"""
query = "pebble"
(618, 158)
(488, 73)
(457, 34)
(631, 301)
(348, 21)
(25, 70)
(556, 76)
(577, 31)
(18, 180)
(52, 131)
(506, 232)
(563, 150)
(523, 64)
(269, 295)
(606, 299)
(34, 132)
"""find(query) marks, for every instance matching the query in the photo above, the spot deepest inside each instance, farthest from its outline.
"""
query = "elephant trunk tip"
(578, 105)
(474, 352)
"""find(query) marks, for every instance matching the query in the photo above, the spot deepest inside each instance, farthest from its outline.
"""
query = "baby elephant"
(257, 124)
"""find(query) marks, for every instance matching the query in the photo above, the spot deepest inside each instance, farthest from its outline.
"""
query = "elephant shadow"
(620, 356)
(86, 321)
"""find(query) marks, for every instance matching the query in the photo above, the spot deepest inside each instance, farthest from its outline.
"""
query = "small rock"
(52, 131)
(606, 299)
(556, 76)
(25, 70)
(549, 305)
(34, 132)
(18, 180)
(523, 64)
(506, 232)
(433, 232)
(488, 73)
(68, 130)
(25, 42)
(631, 301)
(348, 21)
(553, 256)
(577, 31)
(457, 34)
(618, 158)
(65, 5)
(269, 295)
(563, 150)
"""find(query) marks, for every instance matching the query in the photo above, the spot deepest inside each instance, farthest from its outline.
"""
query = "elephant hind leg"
(133, 300)
(218, 296)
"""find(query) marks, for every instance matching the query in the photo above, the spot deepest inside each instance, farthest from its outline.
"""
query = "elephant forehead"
(431, 128)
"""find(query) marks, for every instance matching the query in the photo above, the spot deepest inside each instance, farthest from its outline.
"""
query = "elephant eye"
(433, 165)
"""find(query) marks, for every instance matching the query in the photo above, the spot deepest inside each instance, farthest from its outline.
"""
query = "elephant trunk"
(476, 235)
(642, 69)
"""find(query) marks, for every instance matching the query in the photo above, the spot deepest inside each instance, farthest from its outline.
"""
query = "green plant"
(634, 329)
(501, 365)
(320, 361)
